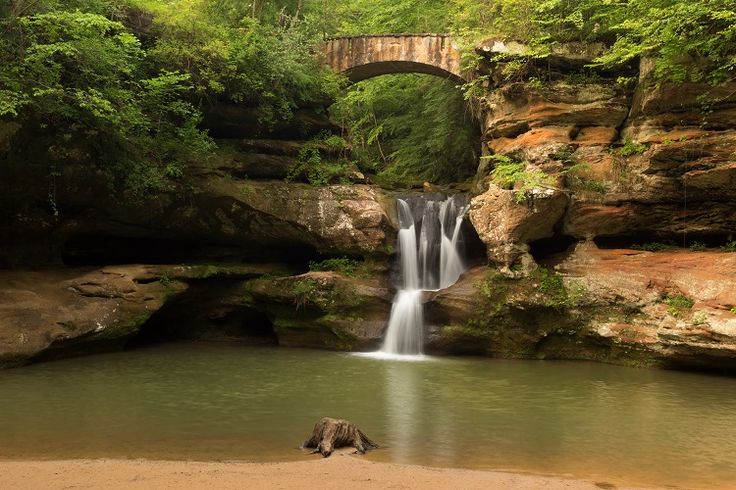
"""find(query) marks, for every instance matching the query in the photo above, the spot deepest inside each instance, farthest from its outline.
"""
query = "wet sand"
(340, 471)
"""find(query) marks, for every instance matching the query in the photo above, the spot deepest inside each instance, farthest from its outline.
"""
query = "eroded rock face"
(219, 217)
(505, 226)
(60, 313)
(535, 122)
(324, 309)
(654, 161)
(605, 305)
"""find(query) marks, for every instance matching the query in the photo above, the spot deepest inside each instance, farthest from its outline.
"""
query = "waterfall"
(429, 243)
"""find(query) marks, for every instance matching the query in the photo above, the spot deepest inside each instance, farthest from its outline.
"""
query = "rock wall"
(628, 165)
(652, 162)
(625, 164)
(664, 309)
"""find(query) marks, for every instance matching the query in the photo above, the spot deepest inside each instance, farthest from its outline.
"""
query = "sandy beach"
(337, 472)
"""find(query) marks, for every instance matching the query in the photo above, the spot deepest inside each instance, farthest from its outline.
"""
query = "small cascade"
(429, 242)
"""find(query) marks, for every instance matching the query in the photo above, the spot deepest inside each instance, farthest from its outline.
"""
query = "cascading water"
(432, 262)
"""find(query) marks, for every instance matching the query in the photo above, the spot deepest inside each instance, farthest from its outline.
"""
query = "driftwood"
(329, 434)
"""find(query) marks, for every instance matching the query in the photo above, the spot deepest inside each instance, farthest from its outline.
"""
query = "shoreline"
(341, 470)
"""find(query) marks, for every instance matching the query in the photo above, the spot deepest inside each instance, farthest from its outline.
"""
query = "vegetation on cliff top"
(119, 85)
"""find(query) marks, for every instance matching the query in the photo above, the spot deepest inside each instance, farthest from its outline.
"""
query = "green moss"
(733, 310)
(730, 246)
(473, 333)
(556, 294)
(493, 291)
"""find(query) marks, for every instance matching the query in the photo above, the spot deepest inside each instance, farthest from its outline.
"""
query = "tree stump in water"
(329, 434)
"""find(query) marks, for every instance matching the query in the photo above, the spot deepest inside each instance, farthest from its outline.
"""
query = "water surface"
(219, 401)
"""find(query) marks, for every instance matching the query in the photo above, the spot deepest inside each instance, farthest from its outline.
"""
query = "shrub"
(677, 303)
(311, 165)
(631, 148)
(697, 247)
(304, 292)
(343, 265)
(165, 280)
(699, 318)
(653, 246)
(511, 174)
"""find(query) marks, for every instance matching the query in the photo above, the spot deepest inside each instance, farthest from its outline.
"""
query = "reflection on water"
(204, 401)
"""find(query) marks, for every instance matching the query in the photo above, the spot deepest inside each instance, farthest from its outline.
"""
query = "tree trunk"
(329, 434)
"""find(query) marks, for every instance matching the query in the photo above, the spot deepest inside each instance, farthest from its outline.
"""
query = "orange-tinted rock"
(613, 310)
(596, 135)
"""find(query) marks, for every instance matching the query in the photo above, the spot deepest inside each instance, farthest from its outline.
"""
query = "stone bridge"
(362, 57)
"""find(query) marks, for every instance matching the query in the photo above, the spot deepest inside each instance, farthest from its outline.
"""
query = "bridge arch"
(363, 57)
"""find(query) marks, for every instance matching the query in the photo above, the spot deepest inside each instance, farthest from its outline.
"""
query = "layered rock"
(218, 217)
(536, 121)
(644, 163)
(324, 309)
(65, 312)
(671, 309)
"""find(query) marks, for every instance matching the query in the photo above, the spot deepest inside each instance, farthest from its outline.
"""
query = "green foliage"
(573, 178)
(305, 291)
(730, 246)
(591, 185)
(313, 167)
(343, 265)
(630, 148)
(653, 246)
(231, 51)
(733, 310)
(383, 16)
(677, 303)
(409, 128)
(688, 41)
(699, 318)
(83, 79)
(698, 247)
(511, 174)
(78, 81)
(165, 280)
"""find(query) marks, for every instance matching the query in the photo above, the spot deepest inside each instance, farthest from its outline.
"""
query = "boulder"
(324, 309)
(45, 314)
(506, 226)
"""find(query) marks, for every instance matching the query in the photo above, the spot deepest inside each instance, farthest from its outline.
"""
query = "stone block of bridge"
(362, 57)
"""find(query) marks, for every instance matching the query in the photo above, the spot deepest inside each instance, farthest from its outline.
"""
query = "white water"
(432, 262)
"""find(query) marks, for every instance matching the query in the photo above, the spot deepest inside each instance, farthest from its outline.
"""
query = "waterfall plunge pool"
(210, 401)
